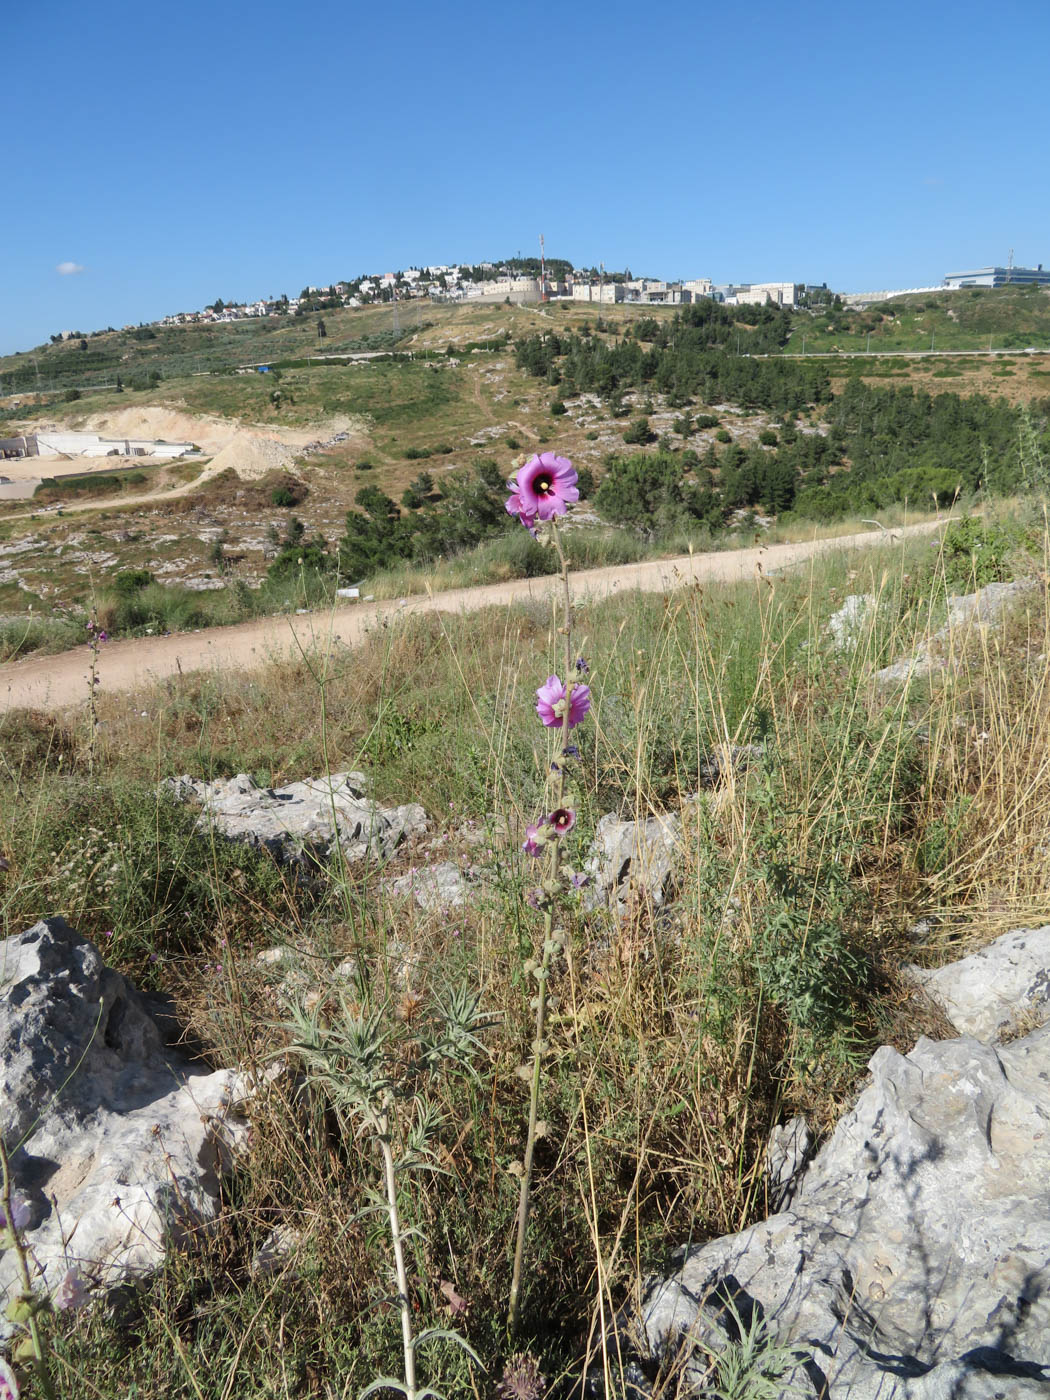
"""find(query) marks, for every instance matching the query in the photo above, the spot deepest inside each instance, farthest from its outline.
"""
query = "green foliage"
(648, 491)
(129, 581)
(639, 433)
(974, 553)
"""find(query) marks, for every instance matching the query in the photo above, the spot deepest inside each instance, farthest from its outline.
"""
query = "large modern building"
(998, 277)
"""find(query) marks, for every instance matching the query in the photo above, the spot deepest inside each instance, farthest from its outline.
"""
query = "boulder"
(632, 859)
(117, 1141)
(914, 1260)
(995, 991)
(302, 818)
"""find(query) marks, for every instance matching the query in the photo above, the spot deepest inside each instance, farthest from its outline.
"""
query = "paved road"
(56, 682)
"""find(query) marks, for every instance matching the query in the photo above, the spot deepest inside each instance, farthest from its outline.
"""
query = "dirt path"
(55, 682)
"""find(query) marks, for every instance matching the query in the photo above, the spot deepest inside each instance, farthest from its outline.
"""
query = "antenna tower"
(1010, 266)
(544, 294)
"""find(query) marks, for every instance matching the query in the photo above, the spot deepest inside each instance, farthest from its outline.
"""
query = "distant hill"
(1005, 318)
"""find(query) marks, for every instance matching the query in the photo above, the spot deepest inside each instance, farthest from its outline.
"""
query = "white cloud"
(67, 269)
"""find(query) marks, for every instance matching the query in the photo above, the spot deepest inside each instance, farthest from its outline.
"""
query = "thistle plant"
(374, 1070)
(542, 490)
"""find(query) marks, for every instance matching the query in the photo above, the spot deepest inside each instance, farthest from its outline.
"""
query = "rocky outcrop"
(117, 1141)
(998, 989)
(966, 616)
(914, 1260)
(302, 819)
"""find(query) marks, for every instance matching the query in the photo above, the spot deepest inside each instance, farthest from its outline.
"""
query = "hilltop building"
(999, 277)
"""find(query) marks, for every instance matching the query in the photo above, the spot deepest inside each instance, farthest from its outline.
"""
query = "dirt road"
(56, 682)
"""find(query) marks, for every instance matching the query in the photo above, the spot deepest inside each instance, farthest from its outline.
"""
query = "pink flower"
(8, 1385)
(515, 506)
(72, 1292)
(534, 839)
(550, 703)
(545, 487)
(562, 820)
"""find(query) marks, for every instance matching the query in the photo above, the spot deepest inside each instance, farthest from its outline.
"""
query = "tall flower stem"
(397, 1240)
(43, 1373)
(552, 945)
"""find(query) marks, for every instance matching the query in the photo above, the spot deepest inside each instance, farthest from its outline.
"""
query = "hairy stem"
(407, 1342)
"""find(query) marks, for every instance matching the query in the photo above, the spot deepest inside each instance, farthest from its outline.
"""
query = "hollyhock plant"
(544, 487)
(550, 703)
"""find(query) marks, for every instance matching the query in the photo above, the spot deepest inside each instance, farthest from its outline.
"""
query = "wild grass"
(681, 1033)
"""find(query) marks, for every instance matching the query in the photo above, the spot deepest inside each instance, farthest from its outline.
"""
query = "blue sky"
(178, 153)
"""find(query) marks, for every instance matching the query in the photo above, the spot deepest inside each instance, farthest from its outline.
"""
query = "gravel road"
(58, 682)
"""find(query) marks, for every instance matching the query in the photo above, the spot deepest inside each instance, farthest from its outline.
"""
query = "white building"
(609, 292)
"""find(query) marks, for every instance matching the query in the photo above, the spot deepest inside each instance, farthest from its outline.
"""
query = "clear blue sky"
(178, 153)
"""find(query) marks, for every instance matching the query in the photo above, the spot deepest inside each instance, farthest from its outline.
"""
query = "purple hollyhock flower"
(533, 843)
(545, 486)
(72, 1292)
(8, 1385)
(550, 703)
(21, 1213)
(515, 506)
(579, 881)
(563, 819)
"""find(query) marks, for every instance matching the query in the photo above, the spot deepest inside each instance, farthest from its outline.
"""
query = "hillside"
(975, 318)
(689, 429)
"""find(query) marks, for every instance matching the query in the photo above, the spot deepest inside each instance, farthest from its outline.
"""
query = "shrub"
(284, 496)
(768, 438)
(558, 409)
(130, 581)
(639, 433)
(723, 435)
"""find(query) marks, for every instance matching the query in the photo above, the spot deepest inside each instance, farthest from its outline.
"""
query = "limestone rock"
(117, 1141)
(440, 886)
(786, 1154)
(914, 1261)
(846, 625)
(296, 819)
(993, 991)
(969, 612)
(632, 858)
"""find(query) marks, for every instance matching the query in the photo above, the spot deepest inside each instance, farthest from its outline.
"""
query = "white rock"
(117, 1140)
(998, 988)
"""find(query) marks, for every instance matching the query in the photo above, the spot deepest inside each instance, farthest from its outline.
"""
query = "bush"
(768, 438)
(723, 435)
(289, 494)
(558, 409)
(639, 433)
(71, 396)
(129, 581)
